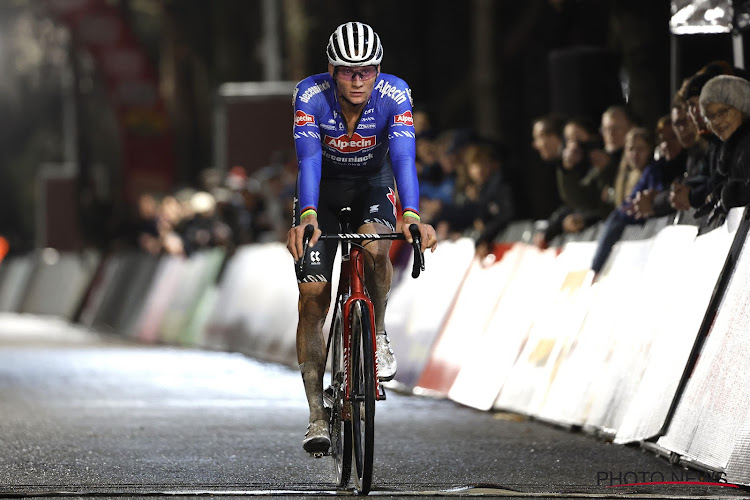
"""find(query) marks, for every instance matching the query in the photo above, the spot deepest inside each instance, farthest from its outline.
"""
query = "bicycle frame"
(351, 289)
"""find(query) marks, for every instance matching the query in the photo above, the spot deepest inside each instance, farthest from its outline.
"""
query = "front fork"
(357, 294)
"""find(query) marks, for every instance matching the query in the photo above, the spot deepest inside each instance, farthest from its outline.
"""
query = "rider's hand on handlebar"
(296, 234)
(429, 238)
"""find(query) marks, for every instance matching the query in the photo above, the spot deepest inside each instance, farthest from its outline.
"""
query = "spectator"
(547, 138)
(653, 188)
(428, 168)
(496, 202)
(725, 104)
(695, 148)
(607, 174)
(694, 191)
(426, 155)
(204, 230)
(146, 225)
(639, 152)
(582, 204)
(438, 182)
(481, 197)
(170, 218)
(422, 122)
(273, 219)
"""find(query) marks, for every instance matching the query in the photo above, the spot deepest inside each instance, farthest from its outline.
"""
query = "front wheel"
(363, 397)
(339, 430)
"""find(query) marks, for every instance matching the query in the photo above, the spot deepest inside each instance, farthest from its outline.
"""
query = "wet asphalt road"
(86, 415)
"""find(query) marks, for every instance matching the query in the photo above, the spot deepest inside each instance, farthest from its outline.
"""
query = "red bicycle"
(353, 385)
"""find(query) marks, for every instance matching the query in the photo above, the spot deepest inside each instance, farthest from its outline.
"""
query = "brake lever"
(418, 255)
(309, 230)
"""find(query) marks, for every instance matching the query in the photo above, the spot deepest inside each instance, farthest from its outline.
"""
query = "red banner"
(148, 161)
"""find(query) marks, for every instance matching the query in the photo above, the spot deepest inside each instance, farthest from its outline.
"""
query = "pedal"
(318, 454)
(381, 393)
(328, 397)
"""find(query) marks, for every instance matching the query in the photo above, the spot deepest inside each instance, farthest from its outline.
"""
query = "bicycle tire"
(363, 397)
(339, 430)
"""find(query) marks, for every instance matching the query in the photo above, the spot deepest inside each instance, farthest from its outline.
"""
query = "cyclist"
(353, 133)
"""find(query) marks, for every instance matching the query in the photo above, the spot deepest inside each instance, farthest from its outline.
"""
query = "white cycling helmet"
(354, 44)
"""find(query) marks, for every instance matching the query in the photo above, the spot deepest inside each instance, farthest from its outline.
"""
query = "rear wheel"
(363, 397)
(339, 430)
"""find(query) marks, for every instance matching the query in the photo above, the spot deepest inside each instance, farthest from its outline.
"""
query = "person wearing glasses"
(355, 143)
(725, 105)
(695, 188)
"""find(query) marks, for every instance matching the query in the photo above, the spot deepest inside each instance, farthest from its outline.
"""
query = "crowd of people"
(693, 161)
(228, 210)
(613, 173)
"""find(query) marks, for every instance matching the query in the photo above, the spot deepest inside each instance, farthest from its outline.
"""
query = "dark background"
(488, 66)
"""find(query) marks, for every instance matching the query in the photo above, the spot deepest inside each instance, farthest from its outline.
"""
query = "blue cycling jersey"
(324, 150)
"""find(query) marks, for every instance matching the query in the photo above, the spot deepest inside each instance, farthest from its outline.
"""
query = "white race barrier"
(52, 271)
(571, 372)
(166, 283)
(738, 468)
(613, 389)
(255, 310)
(591, 365)
(198, 274)
(16, 274)
(195, 330)
(472, 303)
(118, 291)
(507, 290)
(709, 426)
(480, 376)
(676, 296)
(103, 286)
(418, 307)
(555, 324)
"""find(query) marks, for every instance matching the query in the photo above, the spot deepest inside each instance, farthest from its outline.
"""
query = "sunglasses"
(350, 72)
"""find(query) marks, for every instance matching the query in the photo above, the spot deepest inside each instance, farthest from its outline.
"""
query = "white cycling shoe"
(317, 439)
(387, 365)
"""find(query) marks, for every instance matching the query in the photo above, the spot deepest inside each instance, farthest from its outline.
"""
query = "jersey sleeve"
(307, 143)
(402, 149)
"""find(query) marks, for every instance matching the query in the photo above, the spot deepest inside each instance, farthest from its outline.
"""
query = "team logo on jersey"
(357, 143)
(388, 90)
(404, 118)
(314, 90)
(301, 118)
(392, 198)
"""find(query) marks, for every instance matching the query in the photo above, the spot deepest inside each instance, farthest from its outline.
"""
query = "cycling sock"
(380, 328)
(312, 378)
